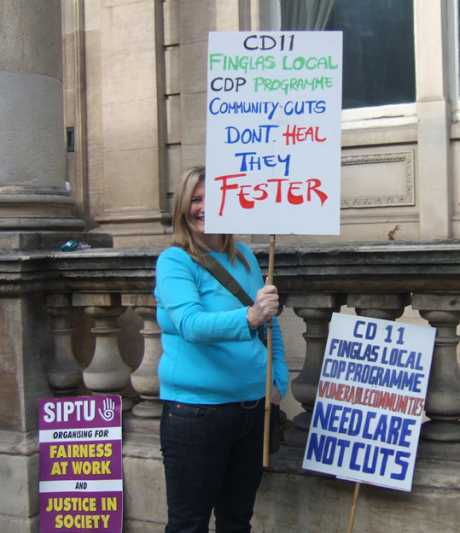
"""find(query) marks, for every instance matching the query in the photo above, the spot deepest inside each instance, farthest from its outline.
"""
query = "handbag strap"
(224, 277)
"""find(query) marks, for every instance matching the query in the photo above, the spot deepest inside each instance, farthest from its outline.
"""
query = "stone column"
(64, 373)
(433, 120)
(107, 371)
(443, 398)
(144, 379)
(316, 310)
(32, 165)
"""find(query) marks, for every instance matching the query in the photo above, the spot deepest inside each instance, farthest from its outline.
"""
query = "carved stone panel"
(378, 179)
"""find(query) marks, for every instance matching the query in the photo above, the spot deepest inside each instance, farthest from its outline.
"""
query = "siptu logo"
(108, 411)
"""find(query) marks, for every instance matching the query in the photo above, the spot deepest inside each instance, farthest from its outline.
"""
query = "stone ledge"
(349, 268)
(298, 501)
(18, 443)
(437, 465)
(49, 240)
(11, 524)
(139, 526)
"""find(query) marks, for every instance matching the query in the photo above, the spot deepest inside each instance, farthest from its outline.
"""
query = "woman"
(212, 372)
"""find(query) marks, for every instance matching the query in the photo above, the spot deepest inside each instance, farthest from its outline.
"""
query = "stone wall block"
(193, 113)
(193, 26)
(171, 22)
(172, 70)
(193, 61)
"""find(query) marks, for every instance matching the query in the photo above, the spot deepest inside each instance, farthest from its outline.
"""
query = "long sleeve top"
(210, 354)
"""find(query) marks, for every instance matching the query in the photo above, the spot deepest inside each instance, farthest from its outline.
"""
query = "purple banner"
(81, 487)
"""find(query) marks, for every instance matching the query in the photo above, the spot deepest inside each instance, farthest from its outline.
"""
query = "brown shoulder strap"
(229, 282)
(224, 277)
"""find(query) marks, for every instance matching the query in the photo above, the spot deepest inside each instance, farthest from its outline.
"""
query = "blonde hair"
(185, 237)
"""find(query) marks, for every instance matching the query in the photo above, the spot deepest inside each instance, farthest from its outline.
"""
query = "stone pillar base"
(19, 503)
(38, 212)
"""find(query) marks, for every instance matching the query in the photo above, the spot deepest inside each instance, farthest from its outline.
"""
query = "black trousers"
(213, 460)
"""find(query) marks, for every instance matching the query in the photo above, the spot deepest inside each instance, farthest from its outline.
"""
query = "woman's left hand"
(275, 396)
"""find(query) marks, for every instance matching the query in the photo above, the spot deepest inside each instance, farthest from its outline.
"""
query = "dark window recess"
(378, 46)
(378, 51)
(70, 139)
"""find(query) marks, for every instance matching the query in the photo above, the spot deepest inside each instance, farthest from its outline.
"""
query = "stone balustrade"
(376, 280)
(84, 322)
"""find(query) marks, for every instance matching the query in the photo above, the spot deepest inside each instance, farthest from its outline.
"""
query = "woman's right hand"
(265, 306)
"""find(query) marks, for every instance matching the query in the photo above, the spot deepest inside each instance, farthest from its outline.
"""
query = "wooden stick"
(351, 519)
(268, 380)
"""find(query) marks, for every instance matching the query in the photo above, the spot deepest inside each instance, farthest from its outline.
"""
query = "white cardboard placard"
(370, 401)
(273, 132)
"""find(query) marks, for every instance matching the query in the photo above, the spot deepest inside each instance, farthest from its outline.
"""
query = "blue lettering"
(356, 333)
(406, 431)
(315, 447)
(401, 460)
(333, 345)
(343, 445)
(321, 416)
(369, 417)
(334, 418)
(386, 452)
(329, 450)
(369, 466)
(354, 455)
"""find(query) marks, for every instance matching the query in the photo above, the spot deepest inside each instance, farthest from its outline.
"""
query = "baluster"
(145, 378)
(107, 371)
(316, 311)
(443, 398)
(64, 373)
(385, 306)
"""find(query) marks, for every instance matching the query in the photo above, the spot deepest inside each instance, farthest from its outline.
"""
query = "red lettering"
(294, 198)
(313, 185)
(313, 134)
(244, 202)
(225, 187)
(262, 188)
(294, 134)
(323, 386)
(278, 197)
(294, 193)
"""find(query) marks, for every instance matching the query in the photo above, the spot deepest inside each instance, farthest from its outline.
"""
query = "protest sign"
(81, 484)
(273, 133)
(370, 401)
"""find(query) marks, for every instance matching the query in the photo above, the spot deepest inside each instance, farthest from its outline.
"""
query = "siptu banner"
(81, 487)
(370, 401)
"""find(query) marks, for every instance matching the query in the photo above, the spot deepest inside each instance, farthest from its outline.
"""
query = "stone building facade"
(92, 151)
(135, 91)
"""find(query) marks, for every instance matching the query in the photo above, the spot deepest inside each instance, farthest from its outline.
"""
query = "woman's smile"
(196, 211)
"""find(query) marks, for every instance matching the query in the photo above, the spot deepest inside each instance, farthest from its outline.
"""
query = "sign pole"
(351, 519)
(268, 382)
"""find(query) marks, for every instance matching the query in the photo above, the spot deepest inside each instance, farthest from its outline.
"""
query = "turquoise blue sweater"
(210, 355)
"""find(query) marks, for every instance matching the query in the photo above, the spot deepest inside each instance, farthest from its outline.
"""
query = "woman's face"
(196, 209)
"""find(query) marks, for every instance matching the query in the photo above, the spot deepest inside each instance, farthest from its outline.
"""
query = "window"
(378, 44)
